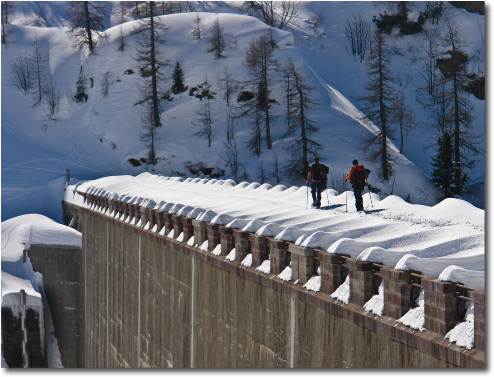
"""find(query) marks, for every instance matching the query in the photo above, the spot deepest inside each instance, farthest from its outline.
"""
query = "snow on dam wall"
(164, 291)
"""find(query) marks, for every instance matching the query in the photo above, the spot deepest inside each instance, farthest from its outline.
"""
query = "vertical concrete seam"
(292, 332)
(139, 310)
(107, 288)
(85, 292)
(192, 316)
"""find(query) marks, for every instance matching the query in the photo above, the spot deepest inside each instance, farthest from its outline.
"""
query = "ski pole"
(307, 196)
(346, 199)
(370, 197)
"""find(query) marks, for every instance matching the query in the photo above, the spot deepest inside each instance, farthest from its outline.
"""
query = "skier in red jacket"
(357, 177)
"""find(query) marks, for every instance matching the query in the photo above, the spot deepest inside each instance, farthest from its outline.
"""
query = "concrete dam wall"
(152, 301)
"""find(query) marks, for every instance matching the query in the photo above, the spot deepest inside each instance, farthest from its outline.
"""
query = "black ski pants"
(359, 201)
(316, 191)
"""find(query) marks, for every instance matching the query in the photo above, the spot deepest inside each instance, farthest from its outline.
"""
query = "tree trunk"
(382, 111)
(88, 27)
(304, 134)
(156, 114)
(457, 135)
(266, 100)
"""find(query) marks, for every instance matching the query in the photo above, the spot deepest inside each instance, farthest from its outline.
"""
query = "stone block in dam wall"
(23, 338)
(157, 302)
(61, 267)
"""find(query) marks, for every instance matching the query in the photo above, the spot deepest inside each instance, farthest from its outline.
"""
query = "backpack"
(359, 175)
(320, 172)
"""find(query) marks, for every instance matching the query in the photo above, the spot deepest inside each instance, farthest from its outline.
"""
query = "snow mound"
(463, 333)
(415, 317)
(376, 303)
(342, 293)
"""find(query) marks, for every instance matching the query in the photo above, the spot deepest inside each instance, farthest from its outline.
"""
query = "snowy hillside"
(98, 138)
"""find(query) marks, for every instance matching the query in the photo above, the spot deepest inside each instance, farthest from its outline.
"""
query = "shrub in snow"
(201, 169)
(245, 96)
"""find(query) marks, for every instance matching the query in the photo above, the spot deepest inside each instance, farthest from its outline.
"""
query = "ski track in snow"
(450, 233)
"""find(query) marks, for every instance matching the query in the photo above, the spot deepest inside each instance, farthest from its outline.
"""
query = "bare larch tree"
(301, 129)
(206, 119)
(37, 67)
(150, 36)
(277, 14)
(216, 40)
(260, 63)
(453, 65)
(378, 102)
(7, 8)
(86, 21)
(121, 11)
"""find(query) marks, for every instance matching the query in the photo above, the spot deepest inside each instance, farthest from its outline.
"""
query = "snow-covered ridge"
(446, 240)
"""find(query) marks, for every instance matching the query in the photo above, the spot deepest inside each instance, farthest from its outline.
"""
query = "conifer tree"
(444, 172)
(81, 86)
(178, 79)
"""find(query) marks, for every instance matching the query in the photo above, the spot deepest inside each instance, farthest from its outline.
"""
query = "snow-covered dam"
(178, 273)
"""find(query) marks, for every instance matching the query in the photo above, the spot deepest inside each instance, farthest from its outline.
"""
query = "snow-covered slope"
(97, 138)
(393, 232)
